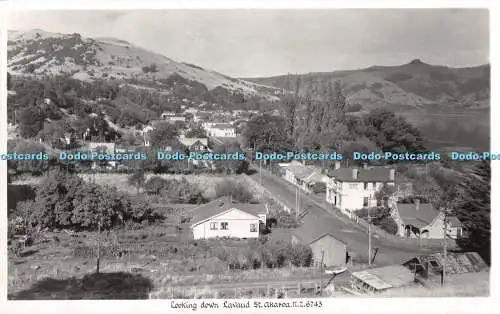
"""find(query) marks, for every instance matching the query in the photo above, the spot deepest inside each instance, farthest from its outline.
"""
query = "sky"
(256, 43)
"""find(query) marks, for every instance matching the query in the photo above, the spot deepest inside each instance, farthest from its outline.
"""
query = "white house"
(104, 148)
(167, 114)
(416, 220)
(176, 118)
(351, 189)
(221, 130)
(194, 143)
(226, 218)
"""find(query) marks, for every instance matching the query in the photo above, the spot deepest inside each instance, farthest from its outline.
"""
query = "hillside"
(415, 86)
(37, 52)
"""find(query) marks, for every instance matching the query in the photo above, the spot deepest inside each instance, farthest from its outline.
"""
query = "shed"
(376, 280)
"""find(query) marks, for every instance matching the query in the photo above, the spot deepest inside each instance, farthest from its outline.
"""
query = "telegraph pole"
(321, 269)
(445, 247)
(260, 171)
(369, 234)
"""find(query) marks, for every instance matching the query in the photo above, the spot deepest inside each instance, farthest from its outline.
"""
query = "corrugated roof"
(422, 217)
(221, 205)
(456, 263)
(381, 278)
(375, 174)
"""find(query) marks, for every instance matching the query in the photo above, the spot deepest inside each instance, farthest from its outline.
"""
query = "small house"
(422, 220)
(224, 217)
(324, 245)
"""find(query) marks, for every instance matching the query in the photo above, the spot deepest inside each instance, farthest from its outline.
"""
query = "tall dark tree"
(30, 121)
(474, 210)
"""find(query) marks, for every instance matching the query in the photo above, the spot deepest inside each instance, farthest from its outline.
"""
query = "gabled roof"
(375, 174)
(387, 277)
(314, 228)
(222, 126)
(189, 141)
(422, 217)
(305, 173)
(221, 205)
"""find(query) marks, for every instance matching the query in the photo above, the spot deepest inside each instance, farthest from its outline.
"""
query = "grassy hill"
(37, 52)
(415, 86)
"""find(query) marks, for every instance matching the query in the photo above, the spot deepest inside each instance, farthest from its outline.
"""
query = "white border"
(338, 305)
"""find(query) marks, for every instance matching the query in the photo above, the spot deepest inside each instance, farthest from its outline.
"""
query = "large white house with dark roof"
(224, 217)
(351, 189)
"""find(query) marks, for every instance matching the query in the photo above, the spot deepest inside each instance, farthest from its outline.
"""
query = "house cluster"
(355, 188)
(215, 129)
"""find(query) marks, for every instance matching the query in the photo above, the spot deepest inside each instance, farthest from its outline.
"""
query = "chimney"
(365, 166)
(337, 165)
(355, 173)
(392, 173)
(417, 203)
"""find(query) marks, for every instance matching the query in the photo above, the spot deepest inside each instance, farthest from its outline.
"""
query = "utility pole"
(98, 246)
(369, 234)
(260, 171)
(296, 203)
(445, 246)
(321, 269)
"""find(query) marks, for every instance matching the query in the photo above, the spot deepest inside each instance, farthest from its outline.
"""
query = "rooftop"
(314, 227)
(387, 277)
(222, 126)
(375, 174)
(421, 217)
(221, 205)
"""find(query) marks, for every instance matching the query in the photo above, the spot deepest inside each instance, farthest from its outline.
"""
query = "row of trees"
(65, 201)
(314, 120)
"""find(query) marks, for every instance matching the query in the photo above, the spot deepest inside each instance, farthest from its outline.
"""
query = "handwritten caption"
(237, 305)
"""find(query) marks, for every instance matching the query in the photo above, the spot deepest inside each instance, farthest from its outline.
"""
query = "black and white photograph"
(268, 158)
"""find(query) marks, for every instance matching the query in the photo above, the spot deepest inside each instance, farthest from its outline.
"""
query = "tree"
(474, 209)
(9, 81)
(164, 134)
(137, 179)
(30, 121)
(267, 133)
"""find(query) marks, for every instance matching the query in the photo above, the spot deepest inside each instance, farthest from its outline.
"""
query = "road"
(356, 238)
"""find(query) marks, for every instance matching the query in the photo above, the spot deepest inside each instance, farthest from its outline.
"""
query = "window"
(213, 226)
(365, 201)
(353, 186)
(253, 227)
(379, 202)
(366, 186)
(224, 226)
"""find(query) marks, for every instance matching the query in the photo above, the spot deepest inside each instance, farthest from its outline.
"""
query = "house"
(221, 130)
(380, 279)
(167, 114)
(316, 233)
(194, 144)
(416, 220)
(174, 119)
(224, 217)
(351, 189)
(305, 177)
(104, 148)
(428, 268)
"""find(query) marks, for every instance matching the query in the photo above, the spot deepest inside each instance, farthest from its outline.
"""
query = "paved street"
(356, 238)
